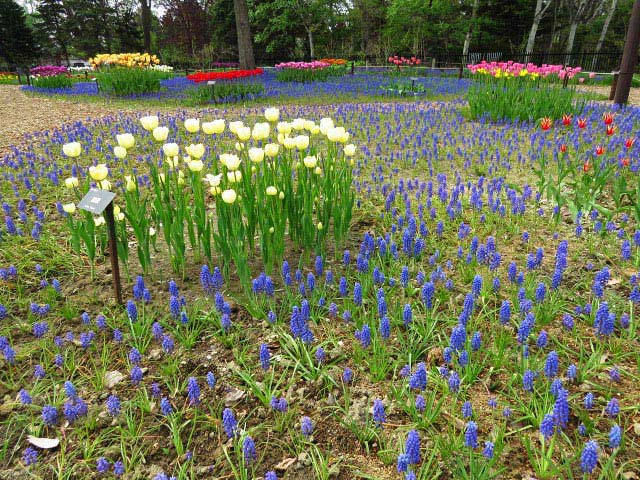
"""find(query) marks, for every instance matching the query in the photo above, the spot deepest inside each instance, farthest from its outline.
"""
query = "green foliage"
(520, 99)
(52, 81)
(16, 40)
(223, 92)
(130, 81)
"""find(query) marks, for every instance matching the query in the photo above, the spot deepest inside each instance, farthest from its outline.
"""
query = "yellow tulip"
(234, 176)
(195, 165)
(256, 154)
(272, 114)
(192, 125)
(126, 140)
(171, 149)
(272, 191)
(130, 183)
(244, 134)
(69, 208)
(260, 131)
(73, 149)
(310, 162)
(149, 122)
(71, 182)
(234, 126)
(196, 151)
(98, 172)
(119, 152)
(229, 196)
(302, 142)
(216, 126)
(271, 149)
(231, 161)
(350, 150)
(160, 134)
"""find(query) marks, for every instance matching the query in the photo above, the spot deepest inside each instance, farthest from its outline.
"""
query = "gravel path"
(20, 114)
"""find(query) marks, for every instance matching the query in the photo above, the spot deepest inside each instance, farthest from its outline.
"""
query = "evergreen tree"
(17, 45)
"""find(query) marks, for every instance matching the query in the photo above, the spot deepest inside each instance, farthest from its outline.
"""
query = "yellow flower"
(310, 162)
(350, 150)
(130, 183)
(302, 142)
(149, 122)
(231, 161)
(192, 125)
(160, 134)
(234, 176)
(319, 225)
(213, 180)
(325, 125)
(272, 114)
(297, 124)
(284, 128)
(119, 152)
(244, 134)
(196, 151)
(234, 126)
(216, 126)
(73, 149)
(126, 140)
(195, 165)
(70, 208)
(71, 182)
(229, 196)
(99, 172)
(256, 154)
(272, 191)
(271, 149)
(171, 149)
(289, 143)
(260, 131)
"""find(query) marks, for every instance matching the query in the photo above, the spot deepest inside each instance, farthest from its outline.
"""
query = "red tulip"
(599, 150)
(608, 118)
(566, 119)
(611, 129)
(629, 142)
(586, 167)
(625, 162)
(563, 148)
(546, 123)
(582, 123)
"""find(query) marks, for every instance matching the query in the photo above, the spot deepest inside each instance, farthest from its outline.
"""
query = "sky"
(31, 5)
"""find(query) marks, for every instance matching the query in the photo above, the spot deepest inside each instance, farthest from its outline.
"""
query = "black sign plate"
(96, 200)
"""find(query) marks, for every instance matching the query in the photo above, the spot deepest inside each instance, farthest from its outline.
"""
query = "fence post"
(614, 85)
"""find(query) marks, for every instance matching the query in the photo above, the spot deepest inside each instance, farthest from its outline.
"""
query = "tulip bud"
(271, 229)
(229, 196)
(152, 231)
(130, 183)
(319, 225)
(281, 195)
(71, 182)
(310, 162)
(69, 208)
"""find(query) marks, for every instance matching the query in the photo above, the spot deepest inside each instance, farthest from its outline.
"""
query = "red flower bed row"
(228, 75)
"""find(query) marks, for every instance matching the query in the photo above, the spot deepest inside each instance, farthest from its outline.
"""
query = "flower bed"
(199, 77)
(128, 60)
(308, 71)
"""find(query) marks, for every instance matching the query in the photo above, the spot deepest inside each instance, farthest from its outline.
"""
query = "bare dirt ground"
(21, 113)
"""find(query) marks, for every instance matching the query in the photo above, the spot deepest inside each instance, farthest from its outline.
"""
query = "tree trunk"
(605, 27)
(145, 7)
(312, 52)
(570, 40)
(537, 17)
(245, 47)
(467, 38)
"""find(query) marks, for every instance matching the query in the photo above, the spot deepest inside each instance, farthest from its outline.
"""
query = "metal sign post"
(97, 201)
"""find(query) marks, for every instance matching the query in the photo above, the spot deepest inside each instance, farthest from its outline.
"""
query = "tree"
(467, 38)
(541, 8)
(245, 45)
(605, 25)
(579, 11)
(145, 13)
(16, 39)
(53, 27)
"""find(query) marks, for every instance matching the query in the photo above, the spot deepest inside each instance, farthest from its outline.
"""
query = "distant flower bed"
(225, 65)
(48, 70)
(8, 77)
(515, 69)
(402, 61)
(304, 65)
(199, 77)
(333, 61)
(130, 81)
(162, 68)
(309, 71)
(129, 60)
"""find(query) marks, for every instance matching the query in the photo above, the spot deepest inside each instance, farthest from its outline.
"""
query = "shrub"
(130, 81)
(52, 81)
(223, 92)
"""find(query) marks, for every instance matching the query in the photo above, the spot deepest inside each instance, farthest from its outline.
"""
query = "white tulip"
(256, 154)
(149, 122)
(196, 151)
(271, 149)
(126, 140)
(272, 114)
(192, 125)
(160, 134)
(216, 126)
(71, 182)
(73, 149)
(119, 152)
(229, 196)
(70, 208)
(171, 149)
(310, 162)
(98, 172)
(302, 142)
